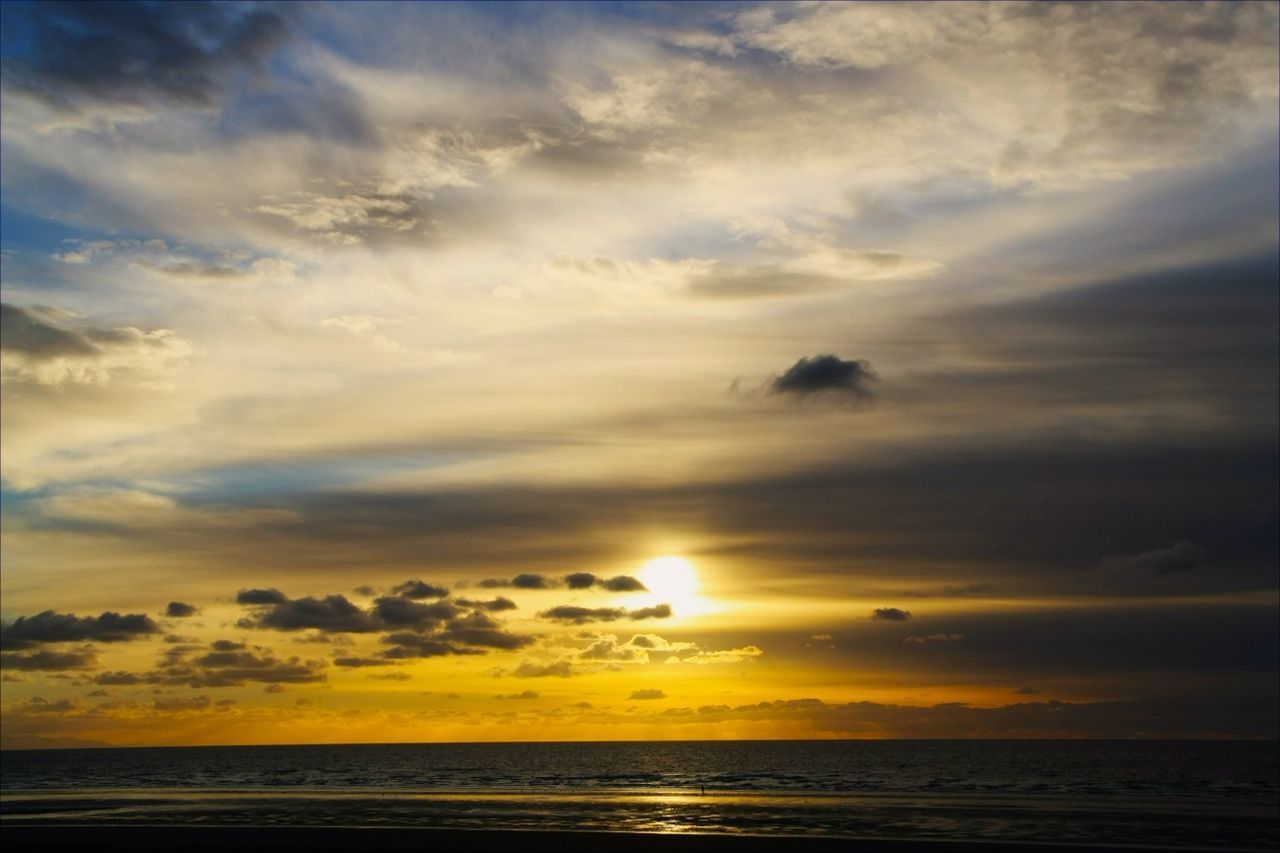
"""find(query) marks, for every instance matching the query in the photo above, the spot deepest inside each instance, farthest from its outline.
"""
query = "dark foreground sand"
(240, 840)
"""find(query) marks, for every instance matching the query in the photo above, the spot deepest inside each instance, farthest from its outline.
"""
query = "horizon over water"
(1191, 794)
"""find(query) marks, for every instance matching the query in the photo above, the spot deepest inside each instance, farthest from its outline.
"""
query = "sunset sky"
(439, 372)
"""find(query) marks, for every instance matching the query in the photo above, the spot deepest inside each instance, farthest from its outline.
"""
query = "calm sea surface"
(1214, 795)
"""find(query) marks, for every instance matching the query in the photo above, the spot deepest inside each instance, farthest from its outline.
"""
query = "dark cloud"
(119, 678)
(333, 613)
(891, 614)
(1176, 557)
(403, 613)
(23, 332)
(825, 374)
(530, 581)
(493, 605)
(648, 693)
(356, 662)
(574, 615)
(135, 52)
(48, 661)
(405, 645)
(417, 589)
(50, 627)
(261, 596)
(619, 583)
(179, 610)
(226, 663)
(477, 629)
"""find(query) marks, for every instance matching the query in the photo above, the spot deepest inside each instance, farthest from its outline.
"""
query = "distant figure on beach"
(704, 790)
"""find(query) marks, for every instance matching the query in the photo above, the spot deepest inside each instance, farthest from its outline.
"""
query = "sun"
(674, 581)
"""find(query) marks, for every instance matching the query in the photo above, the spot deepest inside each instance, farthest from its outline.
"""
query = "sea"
(1175, 794)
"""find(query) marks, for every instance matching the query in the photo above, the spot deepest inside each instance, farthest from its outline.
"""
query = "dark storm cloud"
(48, 661)
(573, 615)
(619, 583)
(22, 331)
(134, 52)
(333, 613)
(493, 605)
(825, 374)
(49, 627)
(179, 610)
(417, 589)
(890, 614)
(261, 596)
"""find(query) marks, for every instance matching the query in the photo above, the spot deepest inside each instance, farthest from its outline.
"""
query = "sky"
(448, 372)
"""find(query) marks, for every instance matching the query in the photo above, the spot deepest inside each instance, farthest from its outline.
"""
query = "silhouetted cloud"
(575, 615)
(477, 629)
(333, 613)
(51, 627)
(179, 610)
(891, 614)
(494, 605)
(356, 662)
(825, 374)
(261, 596)
(619, 583)
(524, 580)
(119, 678)
(401, 612)
(417, 589)
(648, 693)
(409, 645)
(51, 661)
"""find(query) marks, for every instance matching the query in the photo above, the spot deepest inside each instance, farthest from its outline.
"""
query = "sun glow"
(674, 581)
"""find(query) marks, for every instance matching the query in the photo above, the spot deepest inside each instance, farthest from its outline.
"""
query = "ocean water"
(1207, 795)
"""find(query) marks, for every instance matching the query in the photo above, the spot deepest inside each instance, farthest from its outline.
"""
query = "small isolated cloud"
(179, 610)
(891, 614)
(416, 589)
(934, 638)
(357, 662)
(261, 596)
(648, 693)
(559, 669)
(49, 627)
(573, 615)
(523, 694)
(826, 375)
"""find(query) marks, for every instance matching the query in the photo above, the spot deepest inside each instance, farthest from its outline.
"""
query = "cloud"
(357, 662)
(129, 54)
(178, 704)
(477, 629)
(179, 610)
(333, 613)
(417, 589)
(559, 669)
(493, 605)
(49, 661)
(825, 374)
(891, 614)
(401, 612)
(521, 581)
(523, 694)
(406, 645)
(224, 663)
(1174, 558)
(119, 678)
(575, 615)
(934, 638)
(40, 349)
(261, 596)
(619, 583)
(648, 693)
(49, 627)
